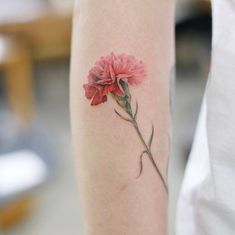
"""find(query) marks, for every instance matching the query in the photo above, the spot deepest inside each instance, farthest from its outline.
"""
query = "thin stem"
(149, 153)
(125, 103)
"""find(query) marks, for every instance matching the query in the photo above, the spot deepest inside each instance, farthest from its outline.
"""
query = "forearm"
(121, 190)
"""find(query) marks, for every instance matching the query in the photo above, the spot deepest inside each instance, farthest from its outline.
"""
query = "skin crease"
(107, 149)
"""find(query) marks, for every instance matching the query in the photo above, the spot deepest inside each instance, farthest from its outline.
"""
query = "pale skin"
(114, 201)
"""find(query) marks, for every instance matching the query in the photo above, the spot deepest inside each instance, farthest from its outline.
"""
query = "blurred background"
(38, 192)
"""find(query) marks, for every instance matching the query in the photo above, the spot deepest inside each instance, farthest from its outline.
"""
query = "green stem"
(125, 103)
(148, 151)
(149, 154)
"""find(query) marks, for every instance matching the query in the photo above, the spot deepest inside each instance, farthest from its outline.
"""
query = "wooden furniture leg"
(16, 64)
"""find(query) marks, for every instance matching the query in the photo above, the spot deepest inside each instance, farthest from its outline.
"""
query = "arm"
(122, 157)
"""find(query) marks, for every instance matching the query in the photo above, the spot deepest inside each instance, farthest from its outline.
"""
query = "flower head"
(106, 76)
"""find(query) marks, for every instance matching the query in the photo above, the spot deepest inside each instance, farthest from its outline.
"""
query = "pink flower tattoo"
(113, 75)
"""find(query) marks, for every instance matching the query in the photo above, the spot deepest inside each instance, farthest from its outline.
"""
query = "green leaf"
(126, 90)
(125, 87)
(141, 163)
(121, 101)
(136, 109)
(151, 137)
(121, 116)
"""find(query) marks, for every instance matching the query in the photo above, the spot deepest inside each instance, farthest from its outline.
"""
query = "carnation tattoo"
(114, 75)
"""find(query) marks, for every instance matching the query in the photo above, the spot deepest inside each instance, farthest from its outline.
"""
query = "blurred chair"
(16, 64)
(30, 30)
(46, 30)
(15, 211)
(20, 173)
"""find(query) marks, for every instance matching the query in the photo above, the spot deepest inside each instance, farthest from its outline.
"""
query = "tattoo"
(114, 75)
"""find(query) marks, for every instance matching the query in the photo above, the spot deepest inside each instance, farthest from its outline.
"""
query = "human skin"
(114, 200)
